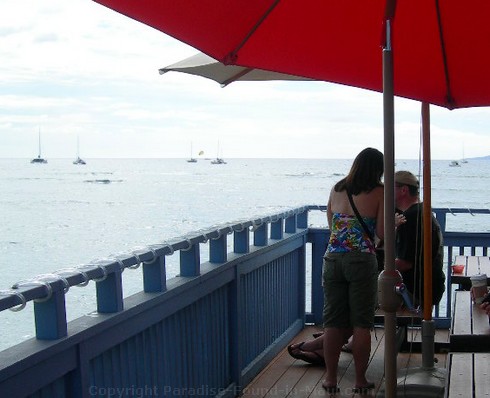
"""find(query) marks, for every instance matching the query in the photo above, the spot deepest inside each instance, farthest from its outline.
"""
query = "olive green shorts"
(350, 285)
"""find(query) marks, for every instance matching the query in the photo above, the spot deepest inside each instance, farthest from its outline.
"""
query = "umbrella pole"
(389, 301)
(428, 326)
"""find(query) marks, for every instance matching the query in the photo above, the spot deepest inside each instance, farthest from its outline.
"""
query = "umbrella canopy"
(440, 47)
(203, 65)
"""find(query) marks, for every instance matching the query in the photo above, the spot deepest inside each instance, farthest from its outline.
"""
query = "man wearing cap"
(409, 241)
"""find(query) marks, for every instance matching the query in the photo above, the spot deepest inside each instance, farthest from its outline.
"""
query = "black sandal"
(304, 355)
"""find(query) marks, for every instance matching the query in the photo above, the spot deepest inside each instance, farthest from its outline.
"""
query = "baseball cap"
(406, 178)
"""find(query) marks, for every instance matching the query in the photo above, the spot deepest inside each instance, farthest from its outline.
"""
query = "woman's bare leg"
(361, 350)
(333, 340)
(314, 345)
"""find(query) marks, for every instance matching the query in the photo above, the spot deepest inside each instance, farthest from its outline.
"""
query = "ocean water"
(60, 215)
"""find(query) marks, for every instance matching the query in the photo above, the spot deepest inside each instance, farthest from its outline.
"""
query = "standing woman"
(350, 272)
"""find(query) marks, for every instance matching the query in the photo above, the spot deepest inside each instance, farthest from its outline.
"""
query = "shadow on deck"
(287, 377)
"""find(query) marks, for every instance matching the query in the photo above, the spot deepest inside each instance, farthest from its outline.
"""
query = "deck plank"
(461, 382)
(462, 322)
(286, 377)
(482, 374)
(265, 384)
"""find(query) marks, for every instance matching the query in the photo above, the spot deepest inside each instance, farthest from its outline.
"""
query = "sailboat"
(191, 159)
(218, 160)
(78, 160)
(463, 160)
(39, 159)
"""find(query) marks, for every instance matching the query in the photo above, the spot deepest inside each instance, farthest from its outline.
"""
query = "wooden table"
(473, 265)
(470, 330)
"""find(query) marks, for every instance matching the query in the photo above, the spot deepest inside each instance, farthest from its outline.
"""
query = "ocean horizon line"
(228, 157)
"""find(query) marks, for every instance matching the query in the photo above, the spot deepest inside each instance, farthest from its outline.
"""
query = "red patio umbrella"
(434, 51)
(440, 47)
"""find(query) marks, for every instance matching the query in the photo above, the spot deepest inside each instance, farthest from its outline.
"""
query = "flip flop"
(346, 348)
(363, 390)
(318, 334)
(303, 355)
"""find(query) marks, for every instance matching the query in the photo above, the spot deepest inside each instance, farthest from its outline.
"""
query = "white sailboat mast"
(39, 139)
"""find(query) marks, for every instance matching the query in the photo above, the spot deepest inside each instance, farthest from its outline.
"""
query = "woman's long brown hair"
(365, 173)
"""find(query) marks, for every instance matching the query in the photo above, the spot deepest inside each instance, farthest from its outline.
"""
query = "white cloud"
(77, 68)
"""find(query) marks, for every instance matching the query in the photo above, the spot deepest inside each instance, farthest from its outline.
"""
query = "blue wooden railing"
(455, 242)
(206, 332)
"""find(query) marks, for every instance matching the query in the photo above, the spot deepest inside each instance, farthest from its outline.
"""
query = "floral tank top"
(348, 234)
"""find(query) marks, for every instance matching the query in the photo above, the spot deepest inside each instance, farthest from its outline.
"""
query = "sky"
(77, 69)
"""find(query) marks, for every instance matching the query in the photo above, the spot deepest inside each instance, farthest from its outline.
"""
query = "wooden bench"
(468, 375)
(469, 368)
(470, 330)
(404, 320)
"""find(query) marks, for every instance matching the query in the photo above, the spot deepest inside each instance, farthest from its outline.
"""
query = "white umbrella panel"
(205, 66)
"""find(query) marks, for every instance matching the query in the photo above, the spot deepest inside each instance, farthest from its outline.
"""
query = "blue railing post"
(302, 219)
(441, 218)
(241, 241)
(302, 281)
(277, 229)
(109, 293)
(155, 276)
(260, 235)
(190, 261)
(50, 317)
(218, 249)
(318, 246)
(291, 224)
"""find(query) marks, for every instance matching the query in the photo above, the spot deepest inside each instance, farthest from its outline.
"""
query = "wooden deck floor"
(287, 377)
